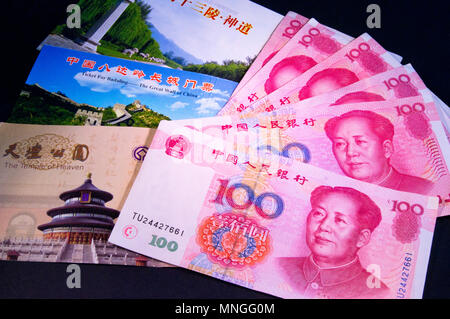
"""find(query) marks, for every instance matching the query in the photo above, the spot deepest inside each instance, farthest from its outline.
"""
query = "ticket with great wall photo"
(69, 87)
(219, 38)
(61, 189)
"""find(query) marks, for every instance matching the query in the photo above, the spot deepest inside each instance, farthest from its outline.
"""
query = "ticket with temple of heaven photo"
(62, 187)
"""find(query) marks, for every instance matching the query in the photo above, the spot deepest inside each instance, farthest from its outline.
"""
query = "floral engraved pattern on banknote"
(233, 240)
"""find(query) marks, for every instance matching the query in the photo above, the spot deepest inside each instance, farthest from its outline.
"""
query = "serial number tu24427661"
(157, 224)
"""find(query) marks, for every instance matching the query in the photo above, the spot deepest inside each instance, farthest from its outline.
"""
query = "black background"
(418, 31)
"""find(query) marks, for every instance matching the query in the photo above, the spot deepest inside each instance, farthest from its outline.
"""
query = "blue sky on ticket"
(214, 30)
(103, 81)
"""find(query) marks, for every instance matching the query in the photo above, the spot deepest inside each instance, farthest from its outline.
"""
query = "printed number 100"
(161, 242)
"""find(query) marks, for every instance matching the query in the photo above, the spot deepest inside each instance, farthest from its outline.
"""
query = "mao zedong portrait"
(362, 143)
(340, 223)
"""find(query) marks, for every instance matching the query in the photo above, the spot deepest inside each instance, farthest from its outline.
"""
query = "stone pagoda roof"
(78, 222)
(83, 208)
(87, 187)
(77, 213)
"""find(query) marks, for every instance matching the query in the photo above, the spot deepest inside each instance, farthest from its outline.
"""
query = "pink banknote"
(396, 83)
(285, 30)
(444, 112)
(399, 144)
(308, 47)
(358, 60)
(281, 227)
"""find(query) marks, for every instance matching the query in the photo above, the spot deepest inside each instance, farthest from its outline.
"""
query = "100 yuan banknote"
(45, 215)
(308, 47)
(399, 144)
(396, 83)
(286, 29)
(362, 58)
(281, 227)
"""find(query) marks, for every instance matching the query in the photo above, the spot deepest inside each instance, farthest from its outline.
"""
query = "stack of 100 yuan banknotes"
(322, 177)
